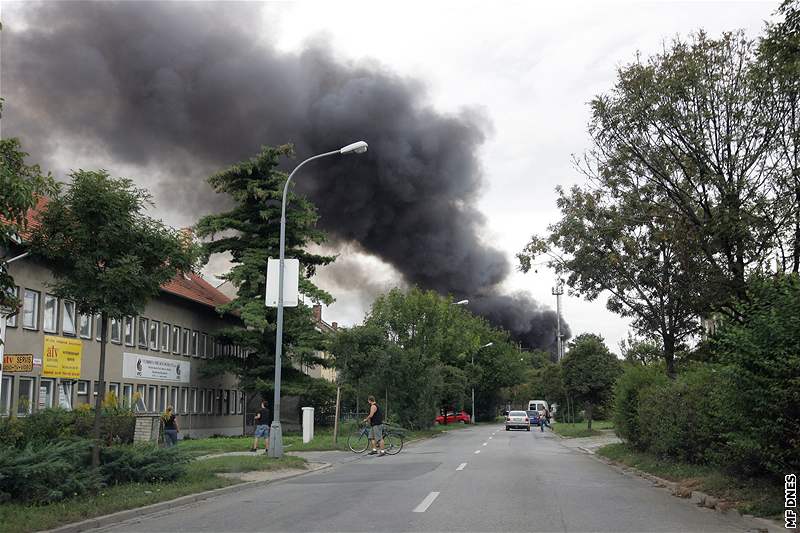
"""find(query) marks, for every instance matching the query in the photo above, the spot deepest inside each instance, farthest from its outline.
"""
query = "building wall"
(197, 415)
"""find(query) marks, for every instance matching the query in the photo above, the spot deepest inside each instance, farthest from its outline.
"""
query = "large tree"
(107, 255)
(589, 371)
(249, 231)
(20, 187)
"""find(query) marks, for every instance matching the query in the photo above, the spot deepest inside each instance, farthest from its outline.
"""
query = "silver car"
(518, 420)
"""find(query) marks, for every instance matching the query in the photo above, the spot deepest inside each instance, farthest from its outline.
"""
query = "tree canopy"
(589, 372)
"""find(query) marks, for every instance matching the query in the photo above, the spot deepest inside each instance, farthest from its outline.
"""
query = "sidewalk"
(590, 444)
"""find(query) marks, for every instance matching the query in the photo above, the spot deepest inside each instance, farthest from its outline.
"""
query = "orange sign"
(18, 362)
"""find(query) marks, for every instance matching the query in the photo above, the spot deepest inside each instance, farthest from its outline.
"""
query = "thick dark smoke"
(179, 90)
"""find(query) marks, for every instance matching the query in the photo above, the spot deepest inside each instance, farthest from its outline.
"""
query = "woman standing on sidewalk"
(170, 427)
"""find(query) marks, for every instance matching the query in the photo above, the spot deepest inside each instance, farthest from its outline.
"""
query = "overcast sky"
(531, 68)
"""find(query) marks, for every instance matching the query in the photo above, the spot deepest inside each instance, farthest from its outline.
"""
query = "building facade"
(154, 360)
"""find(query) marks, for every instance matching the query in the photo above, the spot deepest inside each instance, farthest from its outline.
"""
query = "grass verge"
(579, 429)
(293, 441)
(759, 497)
(200, 476)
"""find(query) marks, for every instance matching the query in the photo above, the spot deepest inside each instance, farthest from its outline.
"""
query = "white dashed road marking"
(477, 451)
(485, 443)
(423, 506)
(461, 466)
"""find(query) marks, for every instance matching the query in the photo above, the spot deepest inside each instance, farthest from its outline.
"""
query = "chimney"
(335, 325)
(317, 312)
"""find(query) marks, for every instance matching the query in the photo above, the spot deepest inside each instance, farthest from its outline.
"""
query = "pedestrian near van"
(170, 427)
(262, 420)
(544, 419)
(375, 420)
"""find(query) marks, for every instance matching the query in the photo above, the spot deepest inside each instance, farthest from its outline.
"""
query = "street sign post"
(291, 282)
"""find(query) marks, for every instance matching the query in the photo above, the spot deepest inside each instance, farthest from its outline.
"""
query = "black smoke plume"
(177, 90)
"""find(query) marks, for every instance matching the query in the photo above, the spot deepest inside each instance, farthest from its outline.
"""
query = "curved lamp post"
(472, 415)
(275, 434)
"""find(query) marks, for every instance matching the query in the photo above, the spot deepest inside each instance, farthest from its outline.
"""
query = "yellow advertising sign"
(62, 357)
(18, 362)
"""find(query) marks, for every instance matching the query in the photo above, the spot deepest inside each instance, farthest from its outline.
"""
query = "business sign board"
(155, 368)
(62, 357)
(18, 362)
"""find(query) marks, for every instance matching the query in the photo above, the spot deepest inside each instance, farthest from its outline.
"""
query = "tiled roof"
(194, 287)
(190, 286)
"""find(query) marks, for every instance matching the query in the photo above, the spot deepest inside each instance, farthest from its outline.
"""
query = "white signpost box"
(291, 282)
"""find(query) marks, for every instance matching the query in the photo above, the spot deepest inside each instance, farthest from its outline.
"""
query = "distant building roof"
(190, 286)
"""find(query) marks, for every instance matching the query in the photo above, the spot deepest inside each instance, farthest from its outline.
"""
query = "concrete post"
(308, 424)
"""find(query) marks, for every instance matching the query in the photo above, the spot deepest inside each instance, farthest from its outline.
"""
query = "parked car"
(533, 416)
(518, 420)
(453, 418)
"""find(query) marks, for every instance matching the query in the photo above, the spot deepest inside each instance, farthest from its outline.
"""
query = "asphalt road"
(476, 479)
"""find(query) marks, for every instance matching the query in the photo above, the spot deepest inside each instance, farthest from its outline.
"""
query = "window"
(127, 395)
(193, 401)
(217, 401)
(46, 389)
(98, 325)
(144, 330)
(128, 328)
(83, 388)
(12, 320)
(116, 330)
(113, 388)
(25, 397)
(165, 337)
(162, 401)
(226, 402)
(241, 402)
(184, 400)
(185, 342)
(176, 339)
(85, 326)
(174, 400)
(203, 343)
(50, 316)
(194, 344)
(68, 320)
(5, 394)
(151, 398)
(140, 398)
(65, 395)
(155, 328)
(30, 310)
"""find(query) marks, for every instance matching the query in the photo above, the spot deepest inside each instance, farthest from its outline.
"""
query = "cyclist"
(375, 419)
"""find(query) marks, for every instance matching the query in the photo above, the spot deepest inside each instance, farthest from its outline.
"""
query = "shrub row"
(50, 425)
(61, 469)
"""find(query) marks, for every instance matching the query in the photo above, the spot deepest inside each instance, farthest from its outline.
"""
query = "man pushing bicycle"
(375, 419)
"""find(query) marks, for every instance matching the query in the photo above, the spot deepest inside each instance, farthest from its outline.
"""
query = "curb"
(698, 498)
(121, 516)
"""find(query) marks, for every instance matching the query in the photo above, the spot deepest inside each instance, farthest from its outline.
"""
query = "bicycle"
(358, 441)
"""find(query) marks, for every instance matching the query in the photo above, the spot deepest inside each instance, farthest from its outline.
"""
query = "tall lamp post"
(558, 290)
(275, 434)
(472, 415)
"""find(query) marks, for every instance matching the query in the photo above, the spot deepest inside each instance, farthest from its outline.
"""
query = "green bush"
(684, 419)
(141, 463)
(49, 425)
(626, 399)
(760, 354)
(48, 472)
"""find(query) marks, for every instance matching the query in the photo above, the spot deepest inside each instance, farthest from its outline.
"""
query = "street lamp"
(557, 291)
(472, 415)
(460, 302)
(275, 434)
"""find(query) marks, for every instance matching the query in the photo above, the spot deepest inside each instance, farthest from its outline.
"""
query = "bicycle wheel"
(393, 443)
(358, 441)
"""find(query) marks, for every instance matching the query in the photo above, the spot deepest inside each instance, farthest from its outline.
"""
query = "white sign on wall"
(156, 368)
(291, 280)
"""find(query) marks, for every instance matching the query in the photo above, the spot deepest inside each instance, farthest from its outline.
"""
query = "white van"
(537, 405)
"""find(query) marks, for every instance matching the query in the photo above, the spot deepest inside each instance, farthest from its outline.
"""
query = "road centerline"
(424, 504)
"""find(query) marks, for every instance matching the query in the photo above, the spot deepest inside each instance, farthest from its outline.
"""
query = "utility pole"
(558, 290)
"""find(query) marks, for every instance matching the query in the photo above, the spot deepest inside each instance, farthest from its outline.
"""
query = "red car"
(453, 418)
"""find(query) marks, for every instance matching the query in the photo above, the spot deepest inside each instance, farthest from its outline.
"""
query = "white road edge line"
(461, 466)
(477, 451)
(423, 506)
